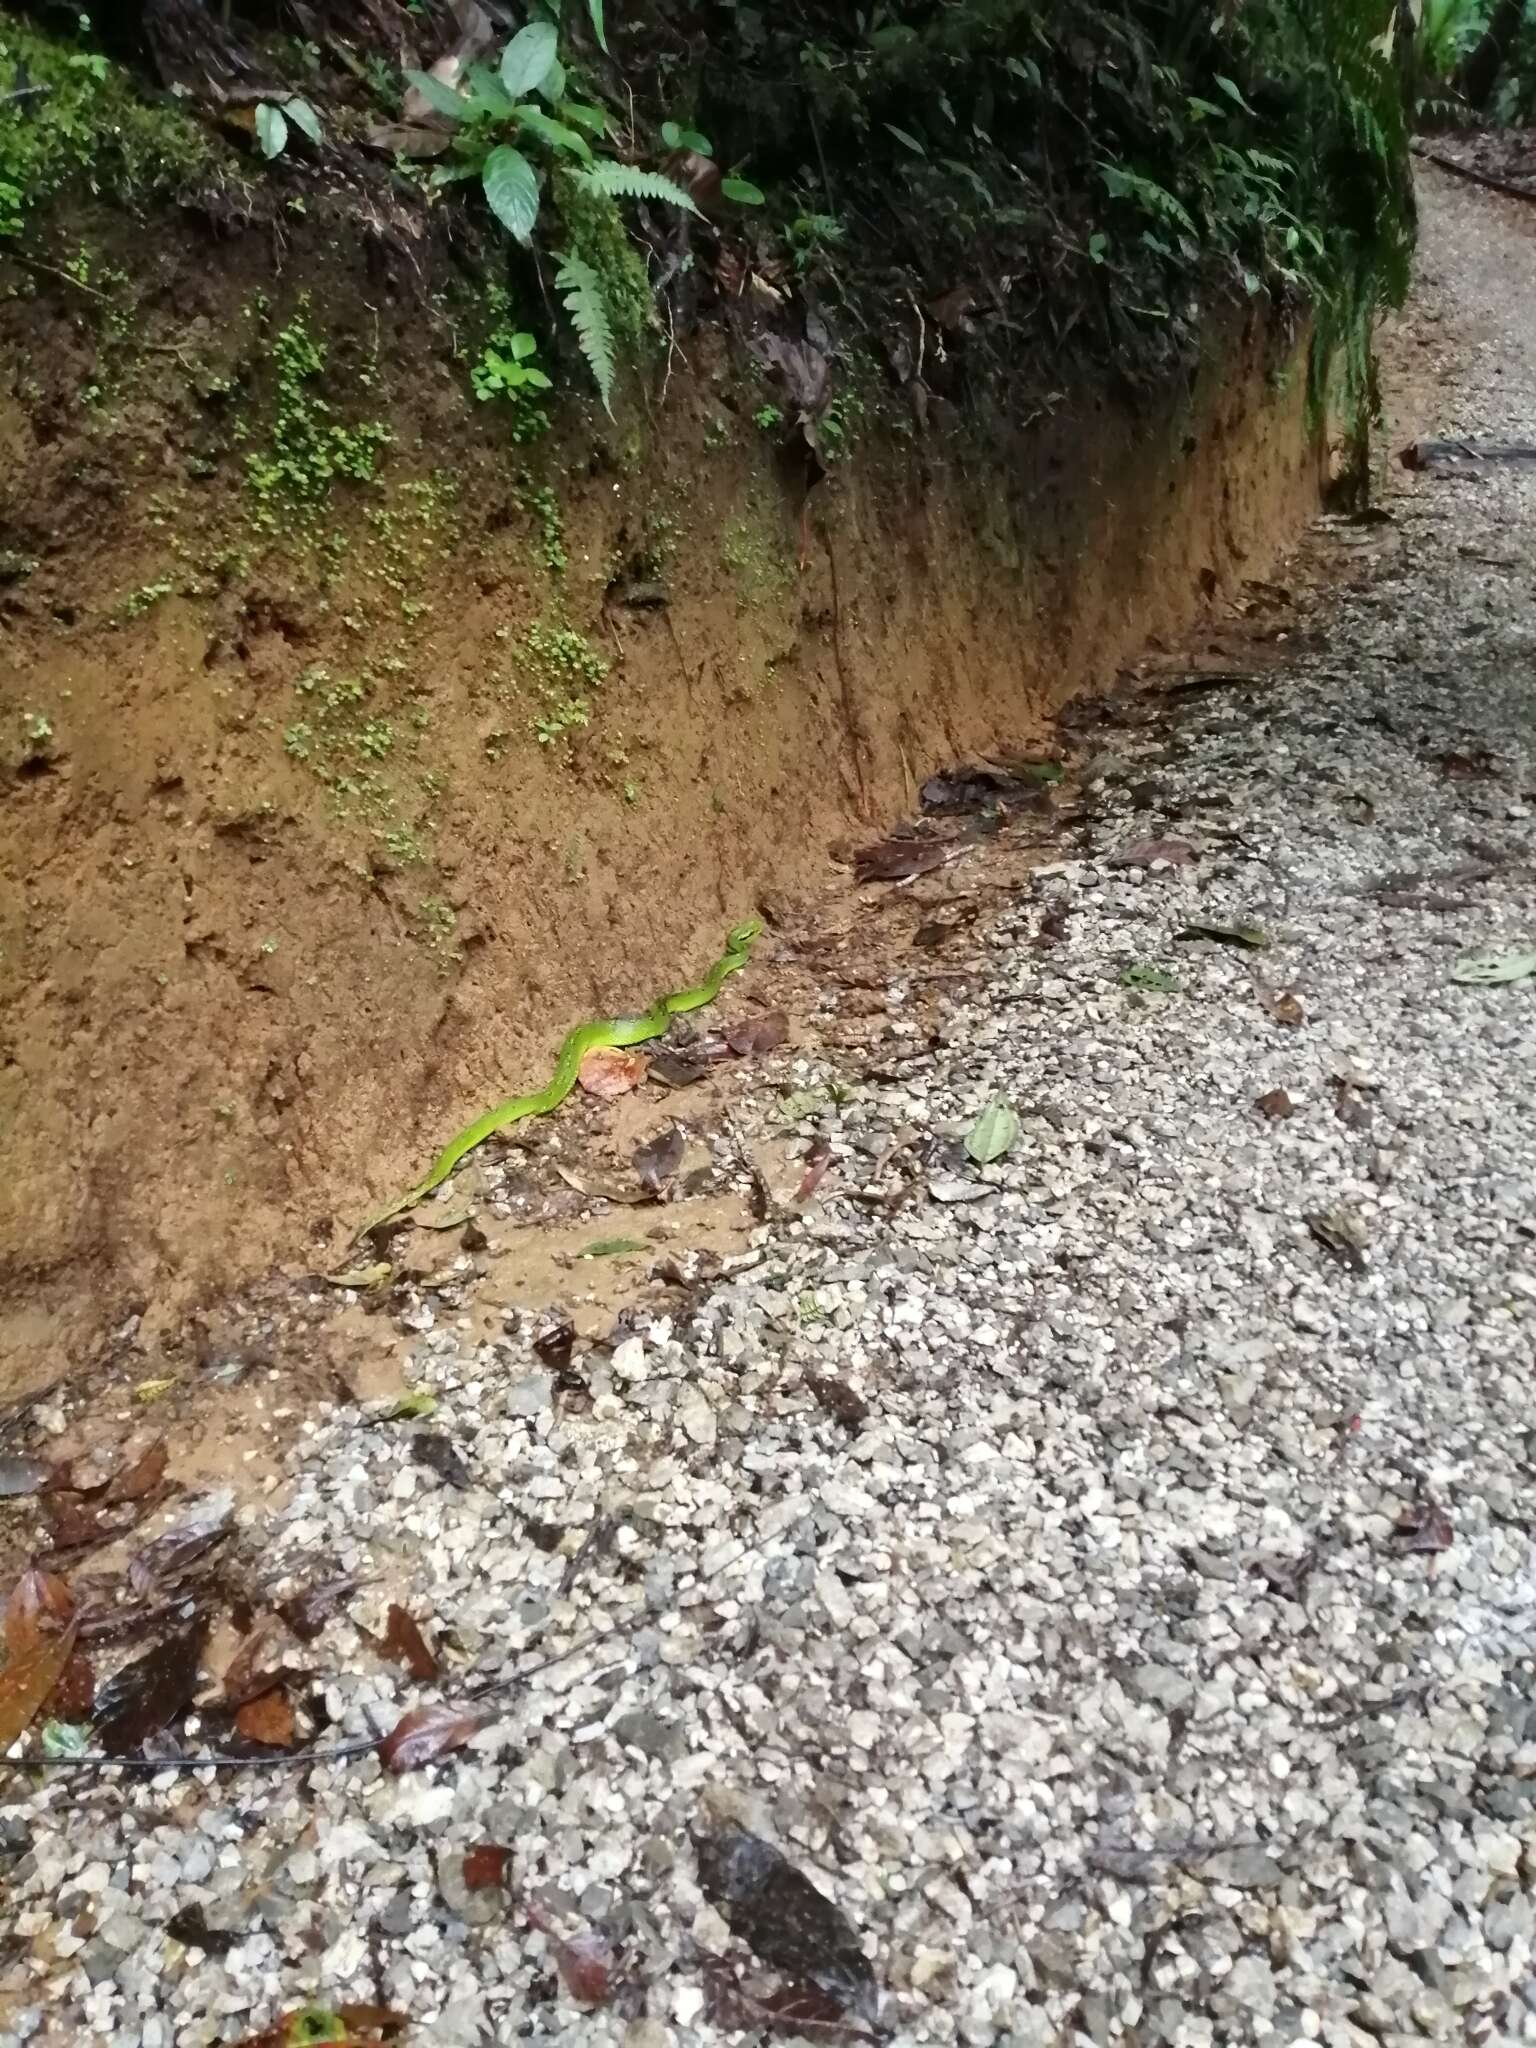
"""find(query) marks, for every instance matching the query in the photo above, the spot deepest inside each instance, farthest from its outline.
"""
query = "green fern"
(582, 289)
(628, 181)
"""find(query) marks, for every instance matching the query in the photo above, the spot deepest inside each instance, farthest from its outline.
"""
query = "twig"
(1485, 178)
(51, 270)
(23, 92)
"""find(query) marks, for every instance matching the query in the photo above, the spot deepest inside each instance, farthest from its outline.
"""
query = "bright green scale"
(602, 1031)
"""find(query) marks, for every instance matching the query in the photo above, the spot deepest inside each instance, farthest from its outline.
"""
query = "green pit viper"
(601, 1031)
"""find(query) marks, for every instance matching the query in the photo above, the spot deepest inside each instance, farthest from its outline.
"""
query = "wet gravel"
(1115, 1590)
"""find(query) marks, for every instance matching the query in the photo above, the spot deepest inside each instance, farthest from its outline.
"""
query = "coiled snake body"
(601, 1031)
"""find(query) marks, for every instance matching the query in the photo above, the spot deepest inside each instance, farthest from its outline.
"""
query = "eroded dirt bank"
(330, 802)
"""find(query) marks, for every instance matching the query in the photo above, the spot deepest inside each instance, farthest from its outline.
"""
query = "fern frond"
(628, 181)
(582, 289)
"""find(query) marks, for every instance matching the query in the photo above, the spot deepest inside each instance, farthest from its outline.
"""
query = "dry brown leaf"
(142, 1476)
(758, 1034)
(267, 1719)
(27, 1680)
(586, 1960)
(1174, 853)
(405, 1644)
(610, 1070)
(485, 1866)
(1275, 1103)
(253, 1669)
(426, 1733)
(817, 1159)
(1284, 1005)
(41, 1605)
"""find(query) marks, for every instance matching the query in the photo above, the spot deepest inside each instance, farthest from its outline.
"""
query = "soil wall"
(329, 803)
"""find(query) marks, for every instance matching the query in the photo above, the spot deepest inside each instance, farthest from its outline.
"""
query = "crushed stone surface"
(1146, 1654)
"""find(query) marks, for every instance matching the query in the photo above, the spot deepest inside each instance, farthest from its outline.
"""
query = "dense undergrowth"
(976, 195)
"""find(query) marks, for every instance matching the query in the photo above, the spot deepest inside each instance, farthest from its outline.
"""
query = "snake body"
(600, 1031)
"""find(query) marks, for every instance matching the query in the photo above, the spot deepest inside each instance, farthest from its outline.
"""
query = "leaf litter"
(152, 1691)
(607, 1071)
(405, 1644)
(773, 1907)
(657, 1159)
(426, 1733)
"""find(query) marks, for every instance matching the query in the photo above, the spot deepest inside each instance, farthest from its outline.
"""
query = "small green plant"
(308, 450)
(739, 190)
(274, 117)
(838, 427)
(768, 419)
(506, 371)
(812, 237)
(144, 599)
(541, 503)
(563, 667)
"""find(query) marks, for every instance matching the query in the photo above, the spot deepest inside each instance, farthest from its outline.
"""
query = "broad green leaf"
(526, 60)
(1233, 92)
(271, 130)
(1038, 771)
(487, 94)
(910, 141)
(449, 174)
(555, 133)
(305, 119)
(595, 9)
(1489, 966)
(742, 191)
(685, 138)
(442, 99)
(551, 86)
(612, 1247)
(523, 346)
(512, 190)
(993, 1132)
(593, 119)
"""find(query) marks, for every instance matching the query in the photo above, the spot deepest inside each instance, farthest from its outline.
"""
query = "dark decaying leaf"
(209, 1521)
(79, 1525)
(308, 1612)
(1340, 1231)
(74, 1691)
(1424, 1526)
(1349, 1105)
(405, 1644)
(1284, 1005)
(1275, 1103)
(27, 1680)
(818, 1158)
(681, 1066)
(426, 1733)
(785, 1921)
(485, 1866)
(585, 1960)
(20, 1475)
(148, 1694)
(797, 2011)
(658, 1158)
(898, 860)
(969, 787)
(1246, 935)
(552, 1341)
(142, 1476)
(257, 1664)
(268, 1719)
(190, 1927)
(1052, 928)
(758, 1034)
(441, 1455)
(842, 1402)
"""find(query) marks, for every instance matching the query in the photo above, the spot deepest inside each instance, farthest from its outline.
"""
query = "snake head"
(740, 936)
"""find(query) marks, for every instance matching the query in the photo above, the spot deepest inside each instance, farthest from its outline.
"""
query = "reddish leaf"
(41, 1605)
(817, 1159)
(659, 1158)
(1175, 853)
(1275, 1103)
(257, 1665)
(426, 1733)
(308, 1612)
(485, 1867)
(142, 1476)
(1424, 1526)
(73, 1526)
(147, 1694)
(405, 1643)
(609, 1070)
(267, 1719)
(758, 1034)
(28, 1679)
(586, 1961)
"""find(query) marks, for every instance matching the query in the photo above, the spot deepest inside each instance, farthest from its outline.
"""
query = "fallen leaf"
(798, 2011)
(74, 1525)
(485, 1867)
(142, 1476)
(899, 860)
(315, 2026)
(1424, 1526)
(149, 1391)
(1275, 1103)
(20, 1475)
(209, 1522)
(268, 1719)
(1349, 1106)
(1052, 928)
(436, 1219)
(414, 1405)
(426, 1733)
(758, 1034)
(658, 1159)
(598, 1190)
(441, 1455)
(611, 1247)
(610, 1070)
(41, 1606)
(817, 1159)
(1490, 966)
(683, 1068)
(1340, 1231)
(993, 1132)
(27, 1680)
(307, 1613)
(405, 1644)
(360, 1276)
(553, 1341)
(1247, 935)
(586, 1961)
(189, 1926)
(257, 1663)
(1174, 853)
(1156, 979)
(148, 1694)
(1039, 772)
(844, 1403)
(785, 1921)
(1284, 1005)
(74, 1693)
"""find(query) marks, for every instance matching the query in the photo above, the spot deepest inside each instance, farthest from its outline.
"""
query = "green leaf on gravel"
(612, 1247)
(1155, 978)
(993, 1132)
(65, 1738)
(412, 1405)
(1248, 935)
(1489, 966)
(1038, 771)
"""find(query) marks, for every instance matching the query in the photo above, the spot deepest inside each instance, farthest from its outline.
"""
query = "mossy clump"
(595, 232)
(68, 114)
(308, 450)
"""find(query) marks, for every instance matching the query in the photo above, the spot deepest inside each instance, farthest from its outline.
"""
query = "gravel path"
(1113, 1590)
